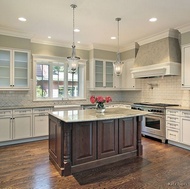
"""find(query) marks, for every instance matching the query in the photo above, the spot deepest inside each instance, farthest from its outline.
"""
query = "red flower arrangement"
(100, 100)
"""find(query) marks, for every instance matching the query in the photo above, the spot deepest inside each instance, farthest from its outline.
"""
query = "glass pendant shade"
(73, 59)
(118, 66)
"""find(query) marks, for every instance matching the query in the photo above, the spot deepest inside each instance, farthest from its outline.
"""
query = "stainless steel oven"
(154, 124)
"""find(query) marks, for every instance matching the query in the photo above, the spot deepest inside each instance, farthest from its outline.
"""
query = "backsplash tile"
(165, 90)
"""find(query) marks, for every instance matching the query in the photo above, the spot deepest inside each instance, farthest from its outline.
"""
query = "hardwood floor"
(27, 166)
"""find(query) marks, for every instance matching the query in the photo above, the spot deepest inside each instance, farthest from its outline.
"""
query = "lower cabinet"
(84, 142)
(107, 138)
(22, 126)
(178, 126)
(40, 122)
(5, 128)
(185, 130)
(23, 123)
(127, 136)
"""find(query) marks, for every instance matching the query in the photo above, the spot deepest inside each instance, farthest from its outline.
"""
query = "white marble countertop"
(91, 115)
(178, 107)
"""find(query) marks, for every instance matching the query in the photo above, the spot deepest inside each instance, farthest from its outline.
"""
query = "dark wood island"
(83, 139)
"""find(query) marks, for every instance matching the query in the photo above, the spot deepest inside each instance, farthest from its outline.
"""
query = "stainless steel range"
(154, 124)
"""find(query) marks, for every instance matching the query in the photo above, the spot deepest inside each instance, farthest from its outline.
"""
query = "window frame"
(59, 60)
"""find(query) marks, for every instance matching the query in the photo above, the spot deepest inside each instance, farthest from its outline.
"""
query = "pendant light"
(73, 59)
(118, 65)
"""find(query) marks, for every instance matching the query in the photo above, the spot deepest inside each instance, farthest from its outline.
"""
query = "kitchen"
(166, 89)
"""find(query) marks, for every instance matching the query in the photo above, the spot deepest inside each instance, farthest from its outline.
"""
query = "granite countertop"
(91, 115)
(24, 107)
(178, 107)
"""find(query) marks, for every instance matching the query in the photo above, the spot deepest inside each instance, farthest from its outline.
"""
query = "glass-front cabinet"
(14, 69)
(101, 74)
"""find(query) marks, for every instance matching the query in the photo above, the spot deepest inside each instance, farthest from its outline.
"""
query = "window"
(52, 80)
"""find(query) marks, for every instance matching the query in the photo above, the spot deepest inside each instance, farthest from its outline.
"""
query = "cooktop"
(155, 104)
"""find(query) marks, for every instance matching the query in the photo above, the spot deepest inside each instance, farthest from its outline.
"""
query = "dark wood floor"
(27, 166)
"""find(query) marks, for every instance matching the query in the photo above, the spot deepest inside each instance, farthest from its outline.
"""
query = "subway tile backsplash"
(166, 90)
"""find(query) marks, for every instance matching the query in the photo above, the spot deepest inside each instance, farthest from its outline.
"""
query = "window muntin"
(53, 81)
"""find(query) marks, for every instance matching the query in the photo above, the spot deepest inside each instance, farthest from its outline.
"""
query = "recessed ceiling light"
(76, 30)
(49, 37)
(153, 19)
(113, 37)
(78, 41)
(22, 19)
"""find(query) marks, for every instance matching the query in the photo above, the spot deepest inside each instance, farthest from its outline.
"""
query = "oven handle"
(154, 116)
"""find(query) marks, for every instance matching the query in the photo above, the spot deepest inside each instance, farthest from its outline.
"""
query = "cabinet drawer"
(41, 110)
(173, 112)
(172, 135)
(22, 111)
(172, 118)
(172, 125)
(185, 113)
(5, 113)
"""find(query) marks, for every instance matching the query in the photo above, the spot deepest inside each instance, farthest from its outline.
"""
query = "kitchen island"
(83, 139)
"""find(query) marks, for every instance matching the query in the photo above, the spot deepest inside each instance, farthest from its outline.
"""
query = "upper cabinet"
(185, 76)
(102, 76)
(127, 81)
(14, 69)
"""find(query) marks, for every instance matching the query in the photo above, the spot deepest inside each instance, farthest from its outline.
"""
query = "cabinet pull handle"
(172, 134)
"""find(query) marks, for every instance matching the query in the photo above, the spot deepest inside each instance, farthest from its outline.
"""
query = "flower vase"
(100, 108)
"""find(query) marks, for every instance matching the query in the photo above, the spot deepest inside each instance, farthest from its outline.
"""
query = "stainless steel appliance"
(154, 124)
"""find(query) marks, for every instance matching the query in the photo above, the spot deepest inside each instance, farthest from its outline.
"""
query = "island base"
(75, 147)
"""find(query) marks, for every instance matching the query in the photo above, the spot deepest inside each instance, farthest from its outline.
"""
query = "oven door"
(154, 124)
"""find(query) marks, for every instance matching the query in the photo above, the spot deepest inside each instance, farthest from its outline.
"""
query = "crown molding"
(59, 44)
(168, 33)
(103, 47)
(184, 28)
(130, 46)
(14, 33)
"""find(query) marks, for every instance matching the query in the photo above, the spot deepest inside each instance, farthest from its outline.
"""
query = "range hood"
(159, 58)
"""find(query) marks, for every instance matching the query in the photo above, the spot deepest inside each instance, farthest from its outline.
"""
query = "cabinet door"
(127, 81)
(40, 125)
(185, 131)
(5, 68)
(99, 72)
(84, 142)
(21, 69)
(5, 129)
(186, 66)
(127, 135)
(109, 74)
(107, 138)
(22, 127)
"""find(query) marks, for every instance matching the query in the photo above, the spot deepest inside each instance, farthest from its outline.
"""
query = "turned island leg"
(139, 144)
(67, 149)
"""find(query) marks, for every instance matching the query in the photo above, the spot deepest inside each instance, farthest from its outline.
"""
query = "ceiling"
(94, 18)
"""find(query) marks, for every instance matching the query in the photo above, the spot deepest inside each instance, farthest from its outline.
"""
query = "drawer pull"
(172, 135)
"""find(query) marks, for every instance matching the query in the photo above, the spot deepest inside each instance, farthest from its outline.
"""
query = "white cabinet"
(22, 123)
(40, 121)
(101, 74)
(185, 66)
(127, 81)
(14, 69)
(173, 125)
(5, 125)
(185, 127)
